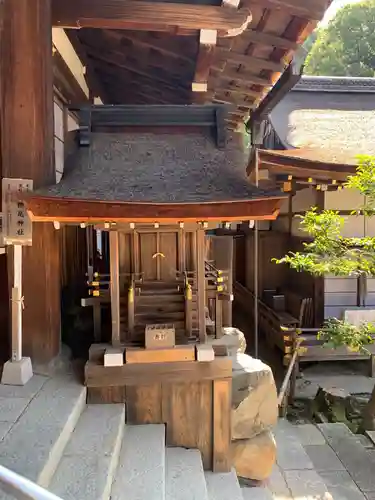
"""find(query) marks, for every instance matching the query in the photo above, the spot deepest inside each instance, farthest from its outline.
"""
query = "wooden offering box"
(192, 398)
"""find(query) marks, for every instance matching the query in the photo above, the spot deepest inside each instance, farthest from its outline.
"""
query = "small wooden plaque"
(160, 336)
(178, 353)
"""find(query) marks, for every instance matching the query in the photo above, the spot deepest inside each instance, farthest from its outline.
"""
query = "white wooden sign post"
(17, 231)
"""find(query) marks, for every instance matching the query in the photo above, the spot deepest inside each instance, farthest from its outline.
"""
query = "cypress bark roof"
(156, 168)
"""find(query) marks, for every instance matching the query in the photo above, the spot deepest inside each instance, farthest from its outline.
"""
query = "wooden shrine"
(147, 169)
(156, 197)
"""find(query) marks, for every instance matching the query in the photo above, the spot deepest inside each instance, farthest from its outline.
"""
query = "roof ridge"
(335, 84)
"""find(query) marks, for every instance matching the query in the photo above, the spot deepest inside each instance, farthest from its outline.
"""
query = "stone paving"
(14, 400)
(350, 376)
(322, 462)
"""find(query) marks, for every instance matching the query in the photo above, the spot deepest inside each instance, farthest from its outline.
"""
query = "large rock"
(253, 458)
(254, 397)
(233, 339)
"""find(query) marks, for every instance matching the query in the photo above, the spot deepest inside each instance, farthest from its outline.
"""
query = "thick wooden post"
(201, 284)
(115, 285)
(27, 152)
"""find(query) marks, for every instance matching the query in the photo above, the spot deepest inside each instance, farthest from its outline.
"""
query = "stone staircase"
(324, 461)
(49, 435)
(87, 452)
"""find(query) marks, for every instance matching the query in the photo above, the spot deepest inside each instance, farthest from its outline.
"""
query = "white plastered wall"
(341, 293)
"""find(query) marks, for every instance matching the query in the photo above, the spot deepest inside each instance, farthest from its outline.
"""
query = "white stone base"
(205, 353)
(113, 357)
(17, 372)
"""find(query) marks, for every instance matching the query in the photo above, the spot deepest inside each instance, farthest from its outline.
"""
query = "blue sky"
(336, 4)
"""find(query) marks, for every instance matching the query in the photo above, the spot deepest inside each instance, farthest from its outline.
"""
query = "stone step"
(257, 493)
(291, 455)
(35, 444)
(359, 463)
(185, 478)
(90, 459)
(223, 486)
(141, 471)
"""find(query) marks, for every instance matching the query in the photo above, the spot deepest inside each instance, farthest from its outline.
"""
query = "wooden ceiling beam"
(261, 38)
(245, 77)
(146, 62)
(247, 60)
(236, 101)
(127, 14)
(238, 90)
(239, 116)
(136, 86)
(137, 71)
(92, 79)
(66, 83)
(313, 10)
(206, 53)
(166, 49)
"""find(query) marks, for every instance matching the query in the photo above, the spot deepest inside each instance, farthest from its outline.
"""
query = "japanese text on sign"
(17, 226)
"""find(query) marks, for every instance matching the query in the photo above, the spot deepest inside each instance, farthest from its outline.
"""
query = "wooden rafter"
(311, 9)
(231, 99)
(167, 49)
(226, 71)
(243, 90)
(141, 53)
(206, 53)
(244, 77)
(246, 60)
(65, 82)
(127, 60)
(253, 36)
(93, 82)
(164, 95)
(148, 16)
(230, 5)
(129, 80)
(143, 72)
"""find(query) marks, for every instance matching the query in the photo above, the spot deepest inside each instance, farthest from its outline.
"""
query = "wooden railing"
(288, 386)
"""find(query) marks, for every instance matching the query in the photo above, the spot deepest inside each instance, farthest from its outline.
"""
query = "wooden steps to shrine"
(158, 302)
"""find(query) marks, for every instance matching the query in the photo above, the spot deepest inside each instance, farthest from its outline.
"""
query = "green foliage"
(364, 182)
(310, 40)
(346, 47)
(328, 252)
(336, 333)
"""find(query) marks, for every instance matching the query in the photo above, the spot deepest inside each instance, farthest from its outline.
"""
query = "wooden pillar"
(223, 256)
(201, 283)
(27, 152)
(181, 250)
(115, 285)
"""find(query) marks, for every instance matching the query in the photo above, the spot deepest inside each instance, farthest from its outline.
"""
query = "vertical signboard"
(17, 226)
